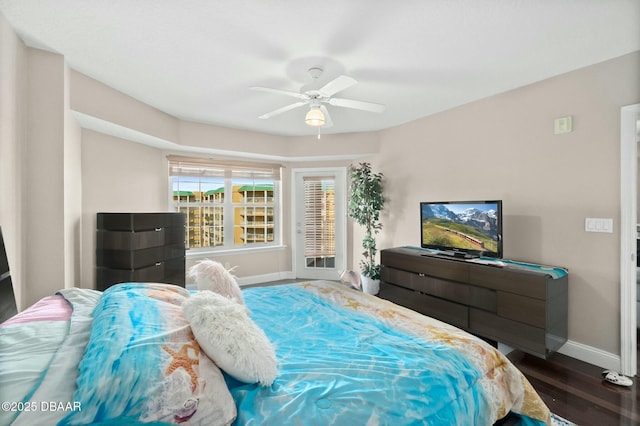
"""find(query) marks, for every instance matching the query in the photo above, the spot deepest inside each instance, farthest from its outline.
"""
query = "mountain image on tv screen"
(460, 226)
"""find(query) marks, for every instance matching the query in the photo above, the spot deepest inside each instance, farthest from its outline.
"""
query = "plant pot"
(370, 285)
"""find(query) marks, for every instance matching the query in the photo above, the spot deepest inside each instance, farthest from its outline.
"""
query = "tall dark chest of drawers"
(140, 247)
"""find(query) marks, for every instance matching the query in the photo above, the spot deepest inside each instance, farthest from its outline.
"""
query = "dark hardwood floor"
(576, 391)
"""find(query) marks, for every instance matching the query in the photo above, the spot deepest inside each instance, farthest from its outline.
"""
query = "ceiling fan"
(316, 98)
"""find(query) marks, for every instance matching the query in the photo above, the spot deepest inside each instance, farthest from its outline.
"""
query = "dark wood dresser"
(521, 305)
(140, 247)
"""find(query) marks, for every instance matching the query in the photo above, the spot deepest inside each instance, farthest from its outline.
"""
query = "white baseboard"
(591, 355)
(588, 354)
(257, 279)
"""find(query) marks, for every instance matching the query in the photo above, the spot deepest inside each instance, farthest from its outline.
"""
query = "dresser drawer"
(456, 292)
(174, 271)
(170, 271)
(483, 298)
(440, 309)
(127, 240)
(435, 267)
(428, 285)
(523, 309)
(513, 281)
(133, 259)
(139, 221)
(110, 276)
(514, 333)
(136, 240)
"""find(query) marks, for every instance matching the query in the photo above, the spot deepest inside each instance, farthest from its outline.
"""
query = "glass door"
(319, 223)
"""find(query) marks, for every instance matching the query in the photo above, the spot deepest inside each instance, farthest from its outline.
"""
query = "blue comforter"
(346, 358)
(129, 357)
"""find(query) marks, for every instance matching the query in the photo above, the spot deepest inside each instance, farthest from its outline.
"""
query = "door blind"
(319, 217)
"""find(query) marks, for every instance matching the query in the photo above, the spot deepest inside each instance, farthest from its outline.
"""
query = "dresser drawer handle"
(158, 263)
(158, 229)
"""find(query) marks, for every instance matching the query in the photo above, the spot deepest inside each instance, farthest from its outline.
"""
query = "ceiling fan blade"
(328, 122)
(283, 109)
(280, 91)
(336, 85)
(350, 103)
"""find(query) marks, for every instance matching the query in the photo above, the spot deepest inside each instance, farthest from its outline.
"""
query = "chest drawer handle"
(158, 263)
(158, 229)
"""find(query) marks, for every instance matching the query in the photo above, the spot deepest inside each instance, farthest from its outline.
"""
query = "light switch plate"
(562, 125)
(592, 224)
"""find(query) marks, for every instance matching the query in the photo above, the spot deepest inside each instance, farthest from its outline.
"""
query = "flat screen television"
(462, 228)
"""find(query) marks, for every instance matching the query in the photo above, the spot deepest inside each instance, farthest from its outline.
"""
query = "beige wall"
(72, 204)
(12, 141)
(98, 100)
(44, 167)
(229, 140)
(349, 145)
(40, 161)
(117, 176)
(52, 181)
(504, 148)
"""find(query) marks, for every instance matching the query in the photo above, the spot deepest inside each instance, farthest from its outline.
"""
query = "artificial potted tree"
(365, 203)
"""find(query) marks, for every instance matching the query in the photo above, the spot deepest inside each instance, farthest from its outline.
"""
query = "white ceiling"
(196, 59)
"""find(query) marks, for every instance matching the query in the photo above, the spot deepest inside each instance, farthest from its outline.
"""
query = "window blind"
(319, 217)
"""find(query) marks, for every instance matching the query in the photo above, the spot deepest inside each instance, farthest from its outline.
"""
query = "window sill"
(198, 253)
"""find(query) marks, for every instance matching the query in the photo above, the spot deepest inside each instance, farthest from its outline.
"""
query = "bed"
(128, 355)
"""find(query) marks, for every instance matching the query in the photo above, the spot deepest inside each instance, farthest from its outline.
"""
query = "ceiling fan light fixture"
(314, 118)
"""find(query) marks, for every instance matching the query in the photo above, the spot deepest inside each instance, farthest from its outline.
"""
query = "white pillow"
(227, 334)
(211, 275)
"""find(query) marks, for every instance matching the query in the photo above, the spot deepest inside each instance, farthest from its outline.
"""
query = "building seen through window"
(228, 205)
(248, 211)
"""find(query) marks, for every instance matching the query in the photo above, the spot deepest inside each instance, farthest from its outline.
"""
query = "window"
(228, 205)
